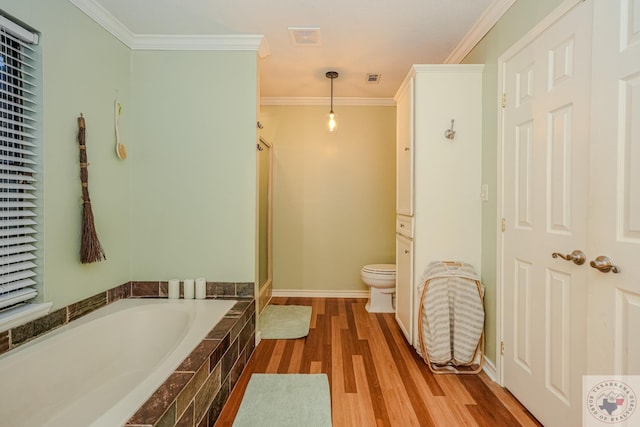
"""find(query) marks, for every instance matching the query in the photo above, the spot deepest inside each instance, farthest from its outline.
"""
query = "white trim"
(448, 68)
(538, 29)
(312, 293)
(481, 27)
(490, 369)
(197, 42)
(106, 20)
(383, 102)
(235, 42)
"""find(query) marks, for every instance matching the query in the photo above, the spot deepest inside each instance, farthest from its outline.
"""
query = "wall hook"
(450, 133)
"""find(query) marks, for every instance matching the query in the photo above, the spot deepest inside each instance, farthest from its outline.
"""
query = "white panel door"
(545, 174)
(614, 217)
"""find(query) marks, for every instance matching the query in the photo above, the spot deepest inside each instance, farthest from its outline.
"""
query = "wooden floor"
(377, 379)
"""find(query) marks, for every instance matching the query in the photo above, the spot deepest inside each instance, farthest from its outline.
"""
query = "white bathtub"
(98, 370)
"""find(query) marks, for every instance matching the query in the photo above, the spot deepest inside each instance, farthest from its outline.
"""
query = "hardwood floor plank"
(416, 359)
(453, 389)
(419, 406)
(371, 409)
(448, 412)
(376, 393)
(285, 358)
(488, 409)
(387, 377)
(296, 356)
(376, 378)
(276, 355)
(348, 352)
(340, 411)
(523, 416)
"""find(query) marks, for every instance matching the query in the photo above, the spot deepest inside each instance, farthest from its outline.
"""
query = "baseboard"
(490, 369)
(312, 293)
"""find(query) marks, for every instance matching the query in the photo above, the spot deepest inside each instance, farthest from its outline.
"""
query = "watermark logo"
(610, 400)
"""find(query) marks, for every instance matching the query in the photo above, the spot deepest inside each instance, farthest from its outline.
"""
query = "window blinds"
(18, 62)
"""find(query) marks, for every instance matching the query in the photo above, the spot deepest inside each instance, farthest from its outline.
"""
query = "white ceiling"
(357, 36)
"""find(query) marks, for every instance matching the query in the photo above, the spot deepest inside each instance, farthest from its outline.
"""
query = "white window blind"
(18, 172)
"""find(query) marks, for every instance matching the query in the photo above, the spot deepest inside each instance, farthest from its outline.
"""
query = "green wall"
(188, 123)
(194, 179)
(520, 18)
(85, 68)
(334, 194)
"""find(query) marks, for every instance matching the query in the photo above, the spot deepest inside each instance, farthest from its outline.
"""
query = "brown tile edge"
(14, 337)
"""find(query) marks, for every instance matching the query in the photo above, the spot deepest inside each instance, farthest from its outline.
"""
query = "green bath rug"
(285, 400)
(285, 321)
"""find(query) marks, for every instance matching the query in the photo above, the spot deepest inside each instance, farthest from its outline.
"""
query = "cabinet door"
(404, 150)
(404, 285)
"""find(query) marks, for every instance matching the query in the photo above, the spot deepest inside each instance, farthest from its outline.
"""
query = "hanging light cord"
(331, 111)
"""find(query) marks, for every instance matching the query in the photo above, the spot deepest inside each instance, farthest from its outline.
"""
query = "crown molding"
(482, 26)
(106, 20)
(381, 102)
(199, 42)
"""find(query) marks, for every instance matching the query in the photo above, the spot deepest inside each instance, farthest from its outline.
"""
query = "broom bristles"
(90, 248)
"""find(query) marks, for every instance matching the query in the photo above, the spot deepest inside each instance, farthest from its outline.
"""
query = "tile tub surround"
(195, 393)
(14, 337)
(192, 391)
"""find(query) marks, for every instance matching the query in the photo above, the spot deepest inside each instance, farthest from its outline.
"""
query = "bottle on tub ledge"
(188, 288)
(201, 288)
(174, 289)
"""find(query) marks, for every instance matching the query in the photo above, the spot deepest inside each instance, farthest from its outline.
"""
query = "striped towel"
(452, 313)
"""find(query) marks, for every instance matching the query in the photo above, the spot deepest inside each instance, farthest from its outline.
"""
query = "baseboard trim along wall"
(319, 293)
(490, 369)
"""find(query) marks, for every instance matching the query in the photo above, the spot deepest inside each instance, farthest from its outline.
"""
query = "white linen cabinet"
(438, 186)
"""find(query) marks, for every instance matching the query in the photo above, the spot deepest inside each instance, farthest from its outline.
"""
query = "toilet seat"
(380, 269)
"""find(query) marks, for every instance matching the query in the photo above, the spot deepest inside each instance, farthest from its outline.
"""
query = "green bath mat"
(285, 400)
(285, 321)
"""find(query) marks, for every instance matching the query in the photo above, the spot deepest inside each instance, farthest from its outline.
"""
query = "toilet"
(381, 279)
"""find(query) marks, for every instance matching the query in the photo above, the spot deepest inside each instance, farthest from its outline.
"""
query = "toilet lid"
(380, 268)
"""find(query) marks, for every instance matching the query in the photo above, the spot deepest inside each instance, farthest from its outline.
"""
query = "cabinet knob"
(406, 148)
(406, 251)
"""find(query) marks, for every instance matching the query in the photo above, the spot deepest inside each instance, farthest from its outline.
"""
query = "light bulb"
(332, 121)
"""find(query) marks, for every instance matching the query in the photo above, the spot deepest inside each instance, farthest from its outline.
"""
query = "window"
(19, 64)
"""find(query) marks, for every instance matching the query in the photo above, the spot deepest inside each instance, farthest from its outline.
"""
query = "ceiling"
(357, 37)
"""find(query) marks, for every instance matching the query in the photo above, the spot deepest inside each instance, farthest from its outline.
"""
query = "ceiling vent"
(304, 36)
(373, 78)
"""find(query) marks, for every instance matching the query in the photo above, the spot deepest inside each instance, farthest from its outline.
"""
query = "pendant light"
(332, 117)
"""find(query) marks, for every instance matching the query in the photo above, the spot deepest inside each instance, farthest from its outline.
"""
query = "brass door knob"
(578, 257)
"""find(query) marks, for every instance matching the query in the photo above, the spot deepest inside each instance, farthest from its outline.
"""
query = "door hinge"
(502, 348)
(503, 224)
(504, 100)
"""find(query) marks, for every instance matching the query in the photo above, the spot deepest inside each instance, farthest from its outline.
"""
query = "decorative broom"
(90, 248)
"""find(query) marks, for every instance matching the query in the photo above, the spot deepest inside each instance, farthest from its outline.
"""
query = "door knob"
(578, 257)
(604, 264)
